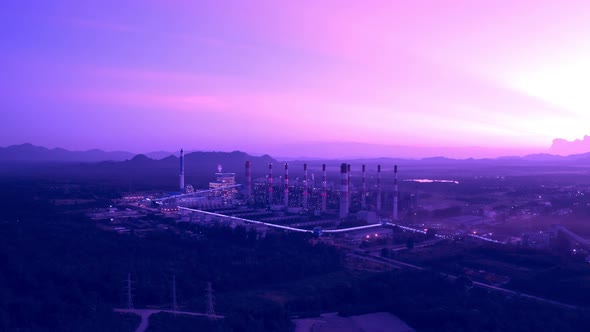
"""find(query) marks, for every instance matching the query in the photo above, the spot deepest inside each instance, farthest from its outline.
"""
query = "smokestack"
(395, 193)
(378, 187)
(343, 190)
(349, 192)
(364, 191)
(248, 191)
(269, 184)
(286, 185)
(324, 189)
(181, 170)
(305, 186)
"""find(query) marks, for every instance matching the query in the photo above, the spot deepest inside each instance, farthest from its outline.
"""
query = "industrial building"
(224, 185)
(293, 201)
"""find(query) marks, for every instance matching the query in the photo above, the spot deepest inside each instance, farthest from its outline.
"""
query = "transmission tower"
(211, 301)
(128, 291)
(174, 305)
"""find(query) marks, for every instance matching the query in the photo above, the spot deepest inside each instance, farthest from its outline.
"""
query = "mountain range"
(28, 153)
(142, 172)
(32, 153)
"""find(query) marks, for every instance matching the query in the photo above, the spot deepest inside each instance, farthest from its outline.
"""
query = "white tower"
(181, 170)
(305, 187)
(395, 194)
(343, 191)
(378, 203)
(324, 188)
(286, 181)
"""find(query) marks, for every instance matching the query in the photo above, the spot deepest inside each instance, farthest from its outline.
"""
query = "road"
(401, 247)
(146, 313)
(385, 261)
(398, 264)
(528, 296)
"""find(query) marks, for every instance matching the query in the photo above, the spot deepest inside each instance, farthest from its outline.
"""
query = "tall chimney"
(181, 170)
(324, 189)
(269, 184)
(248, 190)
(305, 186)
(395, 193)
(349, 192)
(364, 191)
(343, 190)
(286, 198)
(378, 188)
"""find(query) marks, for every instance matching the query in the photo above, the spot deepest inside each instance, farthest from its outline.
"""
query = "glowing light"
(485, 79)
(431, 181)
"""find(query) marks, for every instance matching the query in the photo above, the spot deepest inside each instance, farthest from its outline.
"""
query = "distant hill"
(553, 157)
(357, 150)
(31, 153)
(200, 169)
(230, 160)
(125, 169)
(195, 163)
(541, 157)
(145, 172)
(160, 154)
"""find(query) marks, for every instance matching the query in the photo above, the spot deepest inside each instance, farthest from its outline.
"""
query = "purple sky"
(509, 76)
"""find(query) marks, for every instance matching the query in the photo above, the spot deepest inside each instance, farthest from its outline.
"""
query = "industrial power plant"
(296, 202)
(297, 196)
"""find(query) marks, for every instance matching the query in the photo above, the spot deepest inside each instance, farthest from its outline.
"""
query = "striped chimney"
(248, 190)
(343, 191)
(305, 187)
(324, 189)
(286, 185)
(349, 192)
(269, 184)
(395, 194)
(378, 187)
(364, 190)
(181, 170)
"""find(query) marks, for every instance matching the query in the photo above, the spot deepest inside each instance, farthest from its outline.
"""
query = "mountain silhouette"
(31, 153)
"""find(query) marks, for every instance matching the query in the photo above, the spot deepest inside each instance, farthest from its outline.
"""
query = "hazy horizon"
(350, 150)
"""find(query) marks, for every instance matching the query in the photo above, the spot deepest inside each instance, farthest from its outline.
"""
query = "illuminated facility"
(223, 180)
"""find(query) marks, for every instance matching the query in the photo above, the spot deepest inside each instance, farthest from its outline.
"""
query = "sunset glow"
(505, 76)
